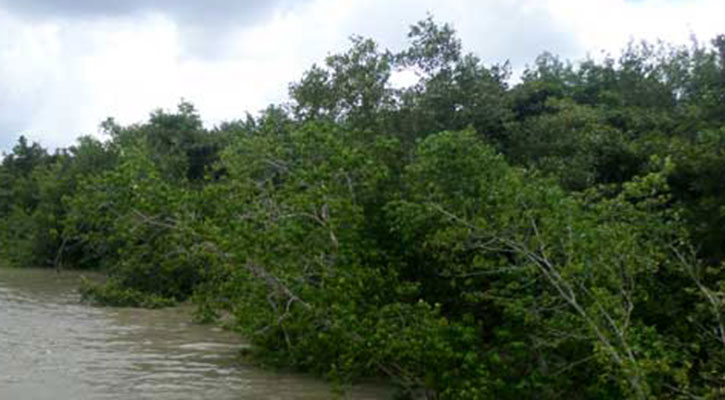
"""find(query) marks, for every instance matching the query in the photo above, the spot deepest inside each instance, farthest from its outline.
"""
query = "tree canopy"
(469, 236)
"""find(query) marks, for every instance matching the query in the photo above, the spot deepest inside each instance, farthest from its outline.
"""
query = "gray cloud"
(202, 24)
(186, 11)
(7, 140)
(12, 119)
(65, 65)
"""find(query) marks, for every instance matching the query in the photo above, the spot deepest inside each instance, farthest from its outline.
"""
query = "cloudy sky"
(67, 65)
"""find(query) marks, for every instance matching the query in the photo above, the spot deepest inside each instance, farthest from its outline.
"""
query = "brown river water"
(53, 347)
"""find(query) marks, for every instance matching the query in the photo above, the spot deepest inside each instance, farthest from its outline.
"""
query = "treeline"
(562, 237)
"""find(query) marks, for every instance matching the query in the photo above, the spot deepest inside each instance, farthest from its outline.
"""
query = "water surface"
(52, 347)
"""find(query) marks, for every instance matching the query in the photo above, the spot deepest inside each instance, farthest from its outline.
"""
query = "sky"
(65, 66)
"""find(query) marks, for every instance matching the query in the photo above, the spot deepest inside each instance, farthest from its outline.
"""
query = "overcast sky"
(67, 65)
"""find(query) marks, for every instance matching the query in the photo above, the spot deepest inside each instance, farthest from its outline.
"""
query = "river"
(53, 347)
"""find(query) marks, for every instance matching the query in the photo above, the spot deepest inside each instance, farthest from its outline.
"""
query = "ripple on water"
(52, 347)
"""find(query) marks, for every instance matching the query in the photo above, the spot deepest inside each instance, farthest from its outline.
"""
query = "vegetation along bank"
(471, 236)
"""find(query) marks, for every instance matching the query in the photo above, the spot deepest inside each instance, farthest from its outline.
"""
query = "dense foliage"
(465, 237)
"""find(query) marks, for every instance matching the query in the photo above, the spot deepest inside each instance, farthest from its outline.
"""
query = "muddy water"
(52, 347)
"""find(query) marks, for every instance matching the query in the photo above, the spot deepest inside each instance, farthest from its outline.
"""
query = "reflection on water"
(52, 347)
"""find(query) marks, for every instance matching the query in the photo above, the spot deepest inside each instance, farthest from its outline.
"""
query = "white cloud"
(61, 76)
(609, 24)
